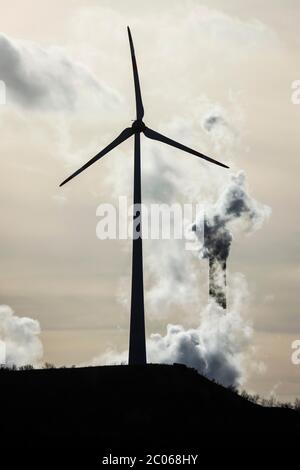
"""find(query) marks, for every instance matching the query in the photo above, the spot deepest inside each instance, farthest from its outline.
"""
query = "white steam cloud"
(21, 338)
(219, 347)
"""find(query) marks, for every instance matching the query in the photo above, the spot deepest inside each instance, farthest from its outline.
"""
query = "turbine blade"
(125, 134)
(137, 89)
(156, 136)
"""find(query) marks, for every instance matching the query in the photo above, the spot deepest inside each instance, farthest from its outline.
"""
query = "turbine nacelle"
(138, 126)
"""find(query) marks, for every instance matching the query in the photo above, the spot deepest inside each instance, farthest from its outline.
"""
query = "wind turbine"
(137, 340)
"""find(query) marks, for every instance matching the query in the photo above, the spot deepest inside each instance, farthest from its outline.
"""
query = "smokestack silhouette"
(217, 281)
(217, 241)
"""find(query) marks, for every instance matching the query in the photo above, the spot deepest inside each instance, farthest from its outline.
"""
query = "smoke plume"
(236, 211)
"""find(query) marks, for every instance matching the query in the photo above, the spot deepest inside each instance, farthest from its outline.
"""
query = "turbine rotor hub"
(138, 126)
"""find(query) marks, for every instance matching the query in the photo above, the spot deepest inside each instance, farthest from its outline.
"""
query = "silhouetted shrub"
(48, 365)
(233, 389)
(285, 405)
(297, 405)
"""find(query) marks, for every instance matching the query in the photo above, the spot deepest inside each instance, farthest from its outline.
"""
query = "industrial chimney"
(217, 280)
(216, 245)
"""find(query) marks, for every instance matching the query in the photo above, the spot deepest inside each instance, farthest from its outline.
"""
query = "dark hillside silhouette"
(134, 407)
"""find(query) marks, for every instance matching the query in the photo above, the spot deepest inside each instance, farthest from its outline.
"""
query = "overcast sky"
(67, 68)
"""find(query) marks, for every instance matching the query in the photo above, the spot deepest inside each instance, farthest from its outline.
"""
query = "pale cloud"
(21, 338)
(47, 79)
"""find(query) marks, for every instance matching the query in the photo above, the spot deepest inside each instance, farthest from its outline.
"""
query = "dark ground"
(131, 409)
